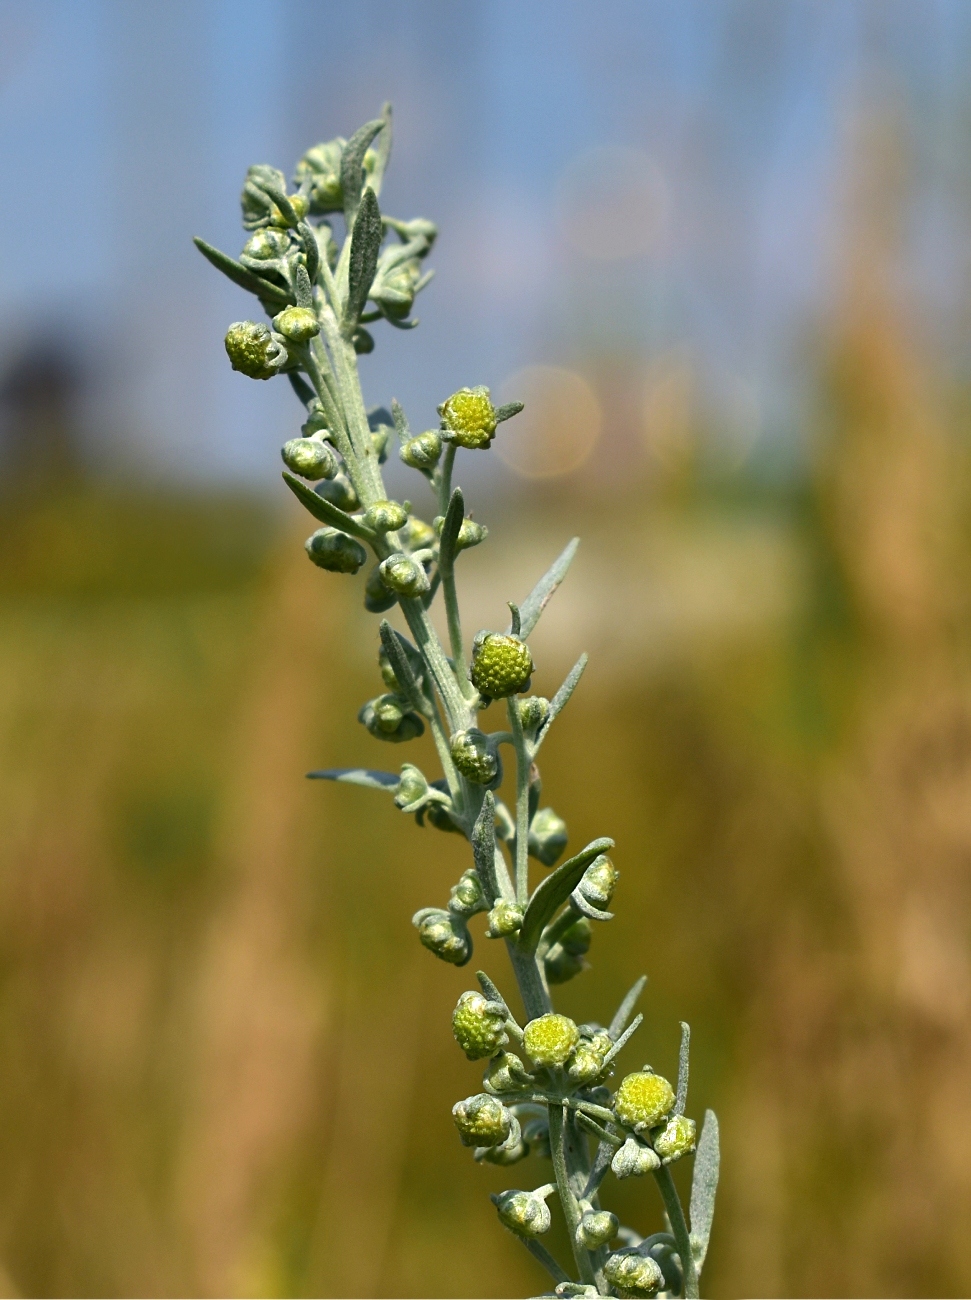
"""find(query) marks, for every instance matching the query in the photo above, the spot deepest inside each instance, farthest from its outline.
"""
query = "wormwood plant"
(545, 1089)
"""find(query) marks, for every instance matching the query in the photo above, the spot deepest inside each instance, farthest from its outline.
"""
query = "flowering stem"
(447, 571)
(522, 802)
(571, 1209)
(672, 1204)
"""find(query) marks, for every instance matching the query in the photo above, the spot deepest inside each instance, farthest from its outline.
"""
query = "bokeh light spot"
(559, 427)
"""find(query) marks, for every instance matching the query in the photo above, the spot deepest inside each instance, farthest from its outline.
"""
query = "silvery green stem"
(447, 572)
(679, 1229)
(571, 1209)
(522, 803)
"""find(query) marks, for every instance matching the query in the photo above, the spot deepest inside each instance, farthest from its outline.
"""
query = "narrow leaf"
(508, 411)
(323, 510)
(401, 427)
(587, 909)
(365, 243)
(543, 1256)
(682, 1100)
(626, 1007)
(382, 150)
(539, 597)
(311, 249)
(241, 275)
(554, 890)
(402, 668)
(301, 287)
(301, 388)
(489, 989)
(625, 1037)
(287, 209)
(601, 1163)
(484, 847)
(454, 516)
(352, 166)
(560, 700)
(357, 776)
(704, 1184)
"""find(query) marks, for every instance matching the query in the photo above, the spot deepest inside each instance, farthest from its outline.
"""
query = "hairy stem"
(571, 1208)
(672, 1204)
(522, 803)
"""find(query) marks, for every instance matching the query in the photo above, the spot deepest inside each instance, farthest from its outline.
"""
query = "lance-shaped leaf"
(241, 275)
(539, 597)
(352, 166)
(301, 287)
(365, 776)
(507, 411)
(382, 150)
(484, 847)
(683, 1054)
(365, 245)
(626, 1007)
(287, 210)
(704, 1184)
(560, 700)
(454, 516)
(554, 890)
(323, 510)
(402, 668)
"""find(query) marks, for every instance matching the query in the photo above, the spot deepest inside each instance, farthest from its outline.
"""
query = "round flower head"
(634, 1159)
(422, 451)
(526, 1213)
(403, 575)
(331, 549)
(388, 718)
(675, 1140)
(596, 1228)
(599, 882)
(633, 1274)
(473, 756)
(253, 351)
(385, 516)
(310, 458)
(470, 418)
(445, 935)
(297, 324)
(504, 919)
(550, 1039)
(482, 1121)
(479, 1026)
(501, 665)
(643, 1099)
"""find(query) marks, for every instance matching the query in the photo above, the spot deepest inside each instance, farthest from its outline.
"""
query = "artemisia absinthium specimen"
(545, 1090)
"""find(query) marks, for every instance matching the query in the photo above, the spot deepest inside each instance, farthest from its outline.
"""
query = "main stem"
(571, 1210)
(672, 1203)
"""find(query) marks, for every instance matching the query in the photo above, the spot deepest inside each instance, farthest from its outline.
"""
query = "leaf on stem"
(301, 287)
(365, 245)
(287, 209)
(402, 668)
(365, 776)
(241, 275)
(704, 1184)
(484, 848)
(352, 166)
(682, 1100)
(560, 700)
(539, 597)
(382, 150)
(454, 516)
(554, 890)
(626, 1007)
(624, 1038)
(323, 510)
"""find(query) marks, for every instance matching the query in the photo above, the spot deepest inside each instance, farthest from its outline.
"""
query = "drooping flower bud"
(470, 418)
(482, 1121)
(547, 836)
(642, 1100)
(501, 665)
(299, 324)
(479, 1026)
(385, 516)
(634, 1159)
(423, 451)
(633, 1274)
(599, 882)
(675, 1140)
(596, 1228)
(444, 934)
(388, 717)
(258, 208)
(587, 1064)
(265, 245)
(412, 788)
(526, 1213)
(470, 533)
(331, 549)
(533, 712)
(565, 957)
(416, 534)
(253, 351)
(506, 1073)
(340, 492)
(377, 598)
(404, 576)
(550, 1039)
(504, 919)
(467, 897)
(320, 170)
(474, 757)
(310, 458)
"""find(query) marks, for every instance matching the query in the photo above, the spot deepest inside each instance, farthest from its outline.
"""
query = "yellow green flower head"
(297, 323)
(479, 1026)
(676, 1139)
(501, 665)
(550, 1039)
(251, 349)
(470, 418)
(643, 1099)
(482, 1121)
(633, 1275)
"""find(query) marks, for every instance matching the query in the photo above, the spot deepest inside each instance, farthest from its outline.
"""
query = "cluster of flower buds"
(644, 1103)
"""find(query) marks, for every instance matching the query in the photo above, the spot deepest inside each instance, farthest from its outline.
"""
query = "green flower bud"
(504, 919)
(505, 1154)
(445, 935)
(266, 245)
(479, 1026)
(331, 549)
(377, 598)
(643, 1099)
(423, 451)
(482, 1121)
(470, 533)
(501, 665)
(533, 712)
(298, 324)
(561, 966)
(385, 516)
(310, 458)
(258, 208)
(253, 350)
(316, 422)
(550, 1039)
(379, 442)
(474, 757)
(470, 418)
(320, 170)
(363, 341)
(587, 1064)
(633, 1274)
(596, 1228)
(599, 882)
(467, 896)
(547, 836)
(506, 1073)
(416, 534)
(441, 819)
(634, 1159)
(340, 492)
(388, 718)
(536, 1134)
(412, 788)
(675, 1140)
(576, 939)
(395, 286)
(403, 575)
(526, 1213)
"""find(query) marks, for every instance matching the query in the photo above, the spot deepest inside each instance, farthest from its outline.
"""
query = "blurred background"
(723, 251)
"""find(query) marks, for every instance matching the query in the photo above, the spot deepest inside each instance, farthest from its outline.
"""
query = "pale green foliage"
(552, 1102)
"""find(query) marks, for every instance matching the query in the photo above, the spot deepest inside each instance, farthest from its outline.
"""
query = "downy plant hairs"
(545, 1090)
